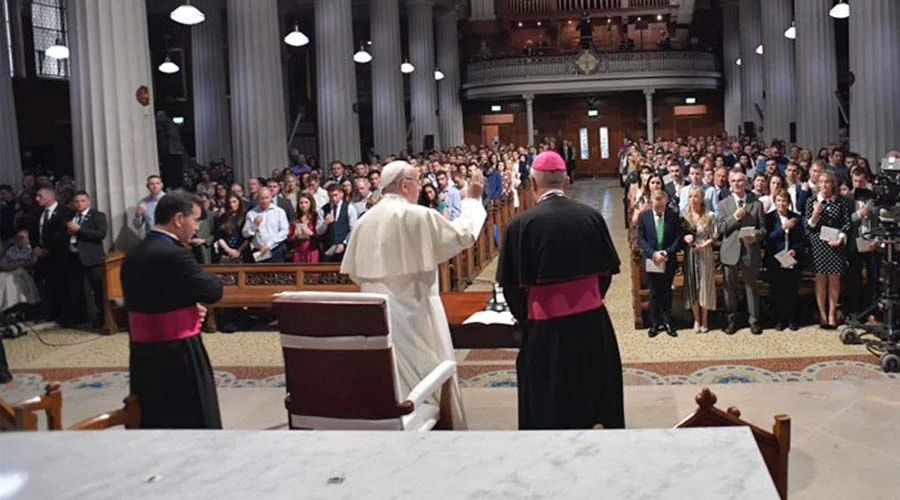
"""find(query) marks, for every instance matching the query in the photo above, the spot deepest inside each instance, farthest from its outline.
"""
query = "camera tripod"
(883, 339)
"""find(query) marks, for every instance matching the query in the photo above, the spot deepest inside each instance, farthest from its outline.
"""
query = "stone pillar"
(258, 124)
(482, 10)
(648, 97)
(529, 117)
(388, 108)
(779, 77)
(113, 134)
(336, 82)
(451, 115)
(11, 171)
(423, 88)
(731, 51)
(212, 121)
(875, 93)
(751, 62)
(817, 112)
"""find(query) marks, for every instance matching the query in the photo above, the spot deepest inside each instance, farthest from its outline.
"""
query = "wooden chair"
(340, 369)
(23, 416)
(129, 416)
(774, 446)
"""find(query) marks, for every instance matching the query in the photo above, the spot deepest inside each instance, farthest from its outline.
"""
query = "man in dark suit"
(568, 154)
(87, 230)
(862, 254)
(659, 235)
(337, 173)
(741, 254)
(281, 201)
(50, 240)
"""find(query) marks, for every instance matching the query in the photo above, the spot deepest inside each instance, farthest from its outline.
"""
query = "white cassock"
(395, 250)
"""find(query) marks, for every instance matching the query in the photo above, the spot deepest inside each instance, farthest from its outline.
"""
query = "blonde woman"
(291, 189)
(699, 263)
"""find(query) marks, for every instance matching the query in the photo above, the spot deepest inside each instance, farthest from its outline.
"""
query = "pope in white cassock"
(395, 249)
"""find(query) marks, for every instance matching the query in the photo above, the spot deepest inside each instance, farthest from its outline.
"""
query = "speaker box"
(793, 133)
(172, 171)
(428, 143)
(750, 130)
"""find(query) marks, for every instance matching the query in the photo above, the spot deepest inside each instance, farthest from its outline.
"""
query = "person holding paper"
(862, 251)
(268, 226)
(395, 250)
(659, 237)
(164, 288)
(556, 265)
(784, 253)
(699, 261)
(827, 217)
(742, 224)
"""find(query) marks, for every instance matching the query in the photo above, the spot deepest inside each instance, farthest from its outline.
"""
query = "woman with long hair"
(774, 184)
(230, 243)
(303, 230)
(291, 189)
(347, 189)
(220, 198)
(828, 212)
(699, 262)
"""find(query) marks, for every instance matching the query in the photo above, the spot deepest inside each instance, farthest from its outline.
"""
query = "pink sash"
(179, 324)
(556, 300)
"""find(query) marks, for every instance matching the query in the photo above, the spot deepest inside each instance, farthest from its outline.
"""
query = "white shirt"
(321, 227)
(73, 240)
(321, 197)
(272, 231)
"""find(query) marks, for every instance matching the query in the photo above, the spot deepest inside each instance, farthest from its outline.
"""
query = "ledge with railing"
(513, 8)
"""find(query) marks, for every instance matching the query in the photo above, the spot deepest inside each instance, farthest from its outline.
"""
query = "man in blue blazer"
(659, 235)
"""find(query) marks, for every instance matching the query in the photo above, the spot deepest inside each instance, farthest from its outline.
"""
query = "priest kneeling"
(395, 250)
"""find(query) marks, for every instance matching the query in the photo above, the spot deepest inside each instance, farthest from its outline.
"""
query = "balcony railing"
(623, 62)
(515, 7)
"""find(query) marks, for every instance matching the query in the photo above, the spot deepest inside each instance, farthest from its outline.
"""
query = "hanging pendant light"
(168, 67)
(791, 32)
(738, 61)
(438, 75)
(840, 11)
(361, 56)
(187, 14)
(57, 50)
(406, 67)
(296, 38)
(759, 50)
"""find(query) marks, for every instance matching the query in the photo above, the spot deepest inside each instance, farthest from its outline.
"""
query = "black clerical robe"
(170, 371)
(555, 266)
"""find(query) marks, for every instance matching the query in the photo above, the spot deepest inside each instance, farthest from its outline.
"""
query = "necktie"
(740, 203)
(659, 232)
(80, 218)
(44, 219)
(334, 212)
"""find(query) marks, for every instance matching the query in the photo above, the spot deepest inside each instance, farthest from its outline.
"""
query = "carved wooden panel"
(271, 279)
(329, 278)
(228, 279)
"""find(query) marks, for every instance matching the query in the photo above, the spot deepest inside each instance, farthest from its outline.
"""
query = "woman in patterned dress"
(699, 262)
(829, 259)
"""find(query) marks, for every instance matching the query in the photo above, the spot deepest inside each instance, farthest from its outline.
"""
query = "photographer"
(862, 253)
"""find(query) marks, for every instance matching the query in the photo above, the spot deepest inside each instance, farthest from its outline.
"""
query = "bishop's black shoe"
(653, 332)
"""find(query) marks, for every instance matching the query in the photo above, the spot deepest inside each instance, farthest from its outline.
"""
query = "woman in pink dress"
(303, 231)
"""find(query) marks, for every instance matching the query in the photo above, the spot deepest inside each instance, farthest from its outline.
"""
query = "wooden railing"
(253, 285)
(513, 8)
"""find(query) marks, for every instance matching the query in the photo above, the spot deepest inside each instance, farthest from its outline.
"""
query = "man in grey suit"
(741, 254)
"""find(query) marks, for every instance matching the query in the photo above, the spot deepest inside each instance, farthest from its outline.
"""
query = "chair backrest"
(23, 416)
(339, 364)
(128, 416)
(774, 446)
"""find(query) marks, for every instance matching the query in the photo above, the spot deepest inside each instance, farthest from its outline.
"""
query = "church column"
(778, 70)
(212, 121)
(529, 117)
(875, 63)
(817, 112)
(388, 108)
(258, 124)
(751, 62)
(451, 115)
(11, 171)
(648, 97)
(482, 10)
(113, 133)
(336, 81)
(731, 51)
(423, 91)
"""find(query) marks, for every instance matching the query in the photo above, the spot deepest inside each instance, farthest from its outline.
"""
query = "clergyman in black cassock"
(170, 370)
(556, 263)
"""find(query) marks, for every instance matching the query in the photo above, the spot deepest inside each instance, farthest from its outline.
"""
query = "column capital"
(649, 92)
(419, 3)
(528, 97)
(447, 14)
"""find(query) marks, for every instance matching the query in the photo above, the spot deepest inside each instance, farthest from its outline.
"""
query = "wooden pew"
(23, 416)
(128, 416)
(774, 446)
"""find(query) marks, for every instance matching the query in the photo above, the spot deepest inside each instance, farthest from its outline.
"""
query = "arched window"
(48, 24)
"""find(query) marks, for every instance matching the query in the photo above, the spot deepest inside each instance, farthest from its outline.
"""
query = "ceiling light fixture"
(438, 75)
(362, 56)
(840, 11)
(406, 67)
(178, 120)
(791, 32)
(187, 14)
(168, 67)
(659, 17)
(296, 38)
(57, 50)
(738, 61)
(759, 50)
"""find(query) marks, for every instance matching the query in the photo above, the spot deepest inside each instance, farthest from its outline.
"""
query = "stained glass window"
(48, 24)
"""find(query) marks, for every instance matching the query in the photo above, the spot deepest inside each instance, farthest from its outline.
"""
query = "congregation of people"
(756, 211)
